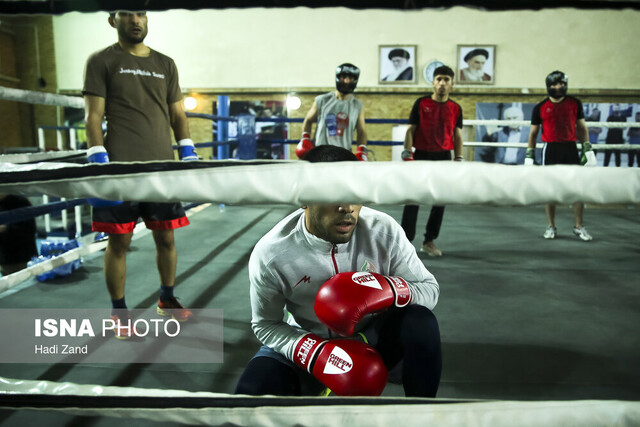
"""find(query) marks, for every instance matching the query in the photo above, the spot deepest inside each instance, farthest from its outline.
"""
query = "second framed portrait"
(397, 64)
(476, 64)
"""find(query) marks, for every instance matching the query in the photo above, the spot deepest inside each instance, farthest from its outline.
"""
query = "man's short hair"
(399, 53)
(329, 153)
(443, 70)
(113, 13)
(476, 52)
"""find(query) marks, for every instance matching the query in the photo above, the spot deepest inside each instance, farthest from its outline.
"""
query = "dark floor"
(521, 318)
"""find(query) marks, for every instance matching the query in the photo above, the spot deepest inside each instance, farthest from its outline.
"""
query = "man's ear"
(112, 21)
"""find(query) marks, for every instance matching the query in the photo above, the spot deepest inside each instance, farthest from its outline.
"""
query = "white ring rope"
(43, 98)
(35, 97)
(39, 157)
(495, 122)
(300, 183)
(597, 147)
(274, 411)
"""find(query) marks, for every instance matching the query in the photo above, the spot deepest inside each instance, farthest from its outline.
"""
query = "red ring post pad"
(347, 367)
(344, 299)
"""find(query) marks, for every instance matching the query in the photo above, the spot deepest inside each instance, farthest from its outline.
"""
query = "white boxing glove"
(528, 159)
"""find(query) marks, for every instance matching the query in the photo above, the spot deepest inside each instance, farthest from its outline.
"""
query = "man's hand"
(187, 151)
(361, 154)
(528, 157)
(407, 155)
(347, 367)
(588, 156)
(304, 145)
(346, 298)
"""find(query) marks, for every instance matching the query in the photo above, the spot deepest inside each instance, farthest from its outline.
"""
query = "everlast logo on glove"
(339, 362)
(366, 279)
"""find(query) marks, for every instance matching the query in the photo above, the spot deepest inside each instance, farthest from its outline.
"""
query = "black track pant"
(410, 212)
(410, 335)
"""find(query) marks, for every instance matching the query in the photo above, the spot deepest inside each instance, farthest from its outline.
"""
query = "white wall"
(290, 48)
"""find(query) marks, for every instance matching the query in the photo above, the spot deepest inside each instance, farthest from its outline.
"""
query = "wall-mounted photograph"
(397, 64)
(476, 64)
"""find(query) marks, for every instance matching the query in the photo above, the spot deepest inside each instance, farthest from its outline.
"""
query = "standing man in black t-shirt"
(562, 119)
(435, 126)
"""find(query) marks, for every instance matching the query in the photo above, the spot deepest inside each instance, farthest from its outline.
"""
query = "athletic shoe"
(431, 249)
(550, 233)
(123, 328)
(174, 309)
(582, 234)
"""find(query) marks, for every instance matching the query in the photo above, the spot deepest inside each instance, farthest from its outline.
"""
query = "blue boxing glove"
(98, 154)
(187, 151)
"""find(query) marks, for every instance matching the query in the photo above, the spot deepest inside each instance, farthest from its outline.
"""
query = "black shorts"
(122, 219)
(432, 155)
(560, 153)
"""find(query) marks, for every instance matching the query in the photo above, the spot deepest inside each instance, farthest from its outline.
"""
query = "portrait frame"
(488, 76)
(388, 73)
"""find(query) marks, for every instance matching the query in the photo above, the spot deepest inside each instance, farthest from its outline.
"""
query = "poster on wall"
(620, 113)
(516, 111)
(397, 64)
(269, 135)
(476, 64)
(593, 112)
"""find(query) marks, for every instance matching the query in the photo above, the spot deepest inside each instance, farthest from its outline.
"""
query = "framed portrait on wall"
(397, 64)
(476, 64)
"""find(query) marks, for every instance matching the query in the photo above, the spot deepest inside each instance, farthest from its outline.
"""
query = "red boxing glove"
(304, 145)
(361, 154)
(347, 367)
(346, 298)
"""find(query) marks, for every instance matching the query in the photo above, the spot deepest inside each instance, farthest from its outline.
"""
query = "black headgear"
(556, 77)
(349, 70)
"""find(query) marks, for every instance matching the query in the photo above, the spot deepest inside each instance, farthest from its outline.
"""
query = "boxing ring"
(501, 309)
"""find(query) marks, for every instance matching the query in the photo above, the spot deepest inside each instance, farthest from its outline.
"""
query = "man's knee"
(164, 240)
(420, 325)
(119, 243)
(264, 375)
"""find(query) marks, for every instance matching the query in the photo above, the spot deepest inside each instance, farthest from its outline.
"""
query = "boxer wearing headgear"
(350, 70)
(561, 118)
(338, 114)
(357, 297)
(557, 84)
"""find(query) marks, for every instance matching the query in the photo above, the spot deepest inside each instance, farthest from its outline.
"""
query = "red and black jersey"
(435, 123)
(558, 119)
